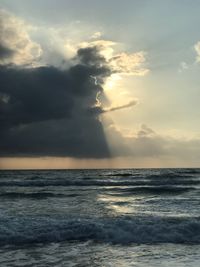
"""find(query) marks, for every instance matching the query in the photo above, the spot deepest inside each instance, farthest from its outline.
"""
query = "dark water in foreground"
(132, 217)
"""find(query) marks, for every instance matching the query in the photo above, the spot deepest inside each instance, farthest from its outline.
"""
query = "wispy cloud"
(130, 64)
(98, 109)
(127, 105)
(96, 35)
(183, 67)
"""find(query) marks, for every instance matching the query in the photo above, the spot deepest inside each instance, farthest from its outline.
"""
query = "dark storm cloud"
(44, 110)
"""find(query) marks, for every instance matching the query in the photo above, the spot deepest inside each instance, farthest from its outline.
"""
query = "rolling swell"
(153, 190)
(37, 195)
(126, 230)
(97, 183)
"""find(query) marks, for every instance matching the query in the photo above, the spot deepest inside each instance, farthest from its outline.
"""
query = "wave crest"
(124, 230)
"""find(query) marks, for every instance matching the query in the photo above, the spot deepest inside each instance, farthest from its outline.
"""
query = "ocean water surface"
(118, 217)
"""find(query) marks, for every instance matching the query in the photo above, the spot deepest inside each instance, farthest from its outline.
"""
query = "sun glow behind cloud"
(122, 64)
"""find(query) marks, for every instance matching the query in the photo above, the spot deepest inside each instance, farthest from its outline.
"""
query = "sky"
(99, 84)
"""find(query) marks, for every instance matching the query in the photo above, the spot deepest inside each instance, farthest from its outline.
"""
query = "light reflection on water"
(118, 204)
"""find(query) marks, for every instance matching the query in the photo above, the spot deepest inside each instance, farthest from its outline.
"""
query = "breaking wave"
(123, 230)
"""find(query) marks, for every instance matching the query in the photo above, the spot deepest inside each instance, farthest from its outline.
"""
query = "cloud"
(146, 145)
(91, 56)
(96, 35)
(145, 131)
(121, 62)
(183, 66)
(127, 105)
(16, 47)
(43, 110)
(5, 52)
(131, 64)
(97, 110)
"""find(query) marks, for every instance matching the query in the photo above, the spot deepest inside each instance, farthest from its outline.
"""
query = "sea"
(107, 217)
